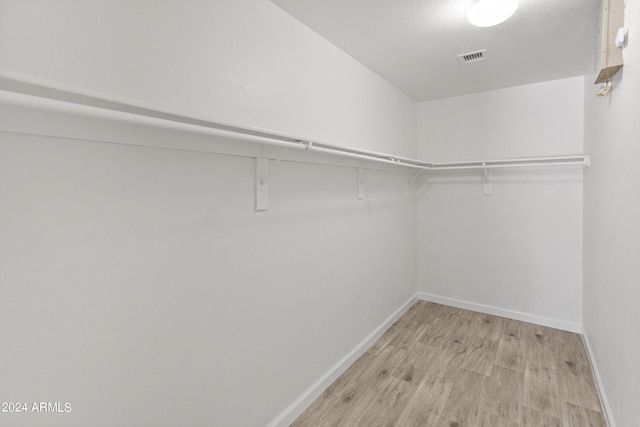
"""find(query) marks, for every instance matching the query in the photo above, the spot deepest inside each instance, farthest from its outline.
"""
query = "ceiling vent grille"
(478, 55)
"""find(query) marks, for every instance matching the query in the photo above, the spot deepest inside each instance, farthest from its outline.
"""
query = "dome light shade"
(487, 13)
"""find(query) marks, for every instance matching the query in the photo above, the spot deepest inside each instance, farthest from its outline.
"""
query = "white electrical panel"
(608, 56)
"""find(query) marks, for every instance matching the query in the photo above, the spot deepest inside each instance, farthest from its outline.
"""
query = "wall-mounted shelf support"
(487, 186)
(262, 184)
(360, 183)
(263, 175)
(412, 180)
(274, 168)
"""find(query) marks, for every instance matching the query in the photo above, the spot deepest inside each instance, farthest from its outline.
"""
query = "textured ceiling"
(414, 44)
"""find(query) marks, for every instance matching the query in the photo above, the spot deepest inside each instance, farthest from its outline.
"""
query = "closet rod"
(36, 95)
(26, 93)
(576, 161)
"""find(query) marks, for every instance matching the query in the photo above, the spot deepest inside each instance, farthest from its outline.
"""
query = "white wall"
(519, 249)
(612, 231)
(138, 283)
(243, 61)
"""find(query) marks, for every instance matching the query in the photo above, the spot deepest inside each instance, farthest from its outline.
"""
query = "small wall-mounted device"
(621, 37)
(608, 53)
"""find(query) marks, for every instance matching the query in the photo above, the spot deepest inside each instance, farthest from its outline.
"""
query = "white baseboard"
(608, 416)
(502, 312)
(312, 393)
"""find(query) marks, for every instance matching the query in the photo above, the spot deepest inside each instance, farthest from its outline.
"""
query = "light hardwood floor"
(446, 367)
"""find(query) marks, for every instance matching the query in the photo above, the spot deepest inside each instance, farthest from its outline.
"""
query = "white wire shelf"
(30, 94)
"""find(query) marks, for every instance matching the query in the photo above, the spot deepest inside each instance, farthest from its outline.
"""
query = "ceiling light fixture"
(487, 13)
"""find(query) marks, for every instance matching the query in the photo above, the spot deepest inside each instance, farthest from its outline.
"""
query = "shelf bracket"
(275, 165)
(487, 186)
(360, 184)
(412, 180)
(263, 174)
(262, 184)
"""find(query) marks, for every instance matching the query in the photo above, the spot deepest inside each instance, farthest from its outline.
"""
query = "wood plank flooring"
(442, 366)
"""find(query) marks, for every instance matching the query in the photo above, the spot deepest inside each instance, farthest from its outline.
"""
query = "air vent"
(478, 55)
